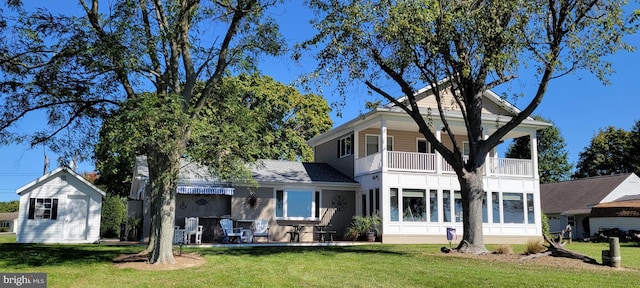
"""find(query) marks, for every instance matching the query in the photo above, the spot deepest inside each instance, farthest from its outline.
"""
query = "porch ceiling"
(457, 130)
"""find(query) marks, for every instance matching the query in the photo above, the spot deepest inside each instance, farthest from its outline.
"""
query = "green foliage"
(9, 206)
(611, 151)
(545, 225)
(114, 212)
(361, 225)
(553, 157)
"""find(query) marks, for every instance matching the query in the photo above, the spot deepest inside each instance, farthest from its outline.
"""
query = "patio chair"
(179, 235)
(229, 233)
(193, 229)
(260, 229)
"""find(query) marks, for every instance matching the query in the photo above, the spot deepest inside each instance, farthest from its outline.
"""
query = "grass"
(358, 266)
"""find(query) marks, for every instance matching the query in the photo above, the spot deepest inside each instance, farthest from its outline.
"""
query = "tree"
(553, 158)
(80, 69)
(610, 152)
(462, 48)
(259, 118)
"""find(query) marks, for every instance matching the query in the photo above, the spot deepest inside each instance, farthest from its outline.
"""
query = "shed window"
(43, 208)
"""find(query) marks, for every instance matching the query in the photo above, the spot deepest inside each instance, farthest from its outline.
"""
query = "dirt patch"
(139, 262)
(551, 261)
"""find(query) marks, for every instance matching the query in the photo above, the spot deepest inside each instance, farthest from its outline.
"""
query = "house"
(415, 190)
(8, 222)
(572, 202)
(288, 193)
(622, 213)
(59, 207)
(376, 163)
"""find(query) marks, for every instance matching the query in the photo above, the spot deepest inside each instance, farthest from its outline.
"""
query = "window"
(530, 215)
(414, 205)
(297, 204)
(495, 206)
(43, 208)
(457, 206)
(393, 198)
(433, 205)
(446, 205)
(513, 207)
(372, 144)
(344, 146)
(465, 148)
(424, 146)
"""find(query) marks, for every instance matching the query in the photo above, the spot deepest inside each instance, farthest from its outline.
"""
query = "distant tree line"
(9, 206)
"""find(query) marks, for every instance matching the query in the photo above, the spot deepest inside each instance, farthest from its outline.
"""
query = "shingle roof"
(577, 194)
(8, 216)
(297, 172)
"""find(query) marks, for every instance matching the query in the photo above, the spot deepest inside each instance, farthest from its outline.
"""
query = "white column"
(438, 156)
(487, 159)
(534, 153)
(383, 144)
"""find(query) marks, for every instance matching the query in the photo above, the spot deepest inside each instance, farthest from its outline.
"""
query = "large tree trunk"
(163, 175)
(472, 191)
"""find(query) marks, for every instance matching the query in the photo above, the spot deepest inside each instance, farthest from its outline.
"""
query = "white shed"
(59, 207)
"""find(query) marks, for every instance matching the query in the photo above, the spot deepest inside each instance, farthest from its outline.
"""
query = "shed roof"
(61, 169)
(578, 194)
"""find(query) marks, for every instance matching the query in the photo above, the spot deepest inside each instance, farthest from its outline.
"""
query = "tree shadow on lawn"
(272, 250)
(36, 255)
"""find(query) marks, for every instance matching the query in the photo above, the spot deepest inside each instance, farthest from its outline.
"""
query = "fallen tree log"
(556, 249)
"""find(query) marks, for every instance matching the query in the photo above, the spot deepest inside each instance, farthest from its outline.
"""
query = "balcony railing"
(426, 162)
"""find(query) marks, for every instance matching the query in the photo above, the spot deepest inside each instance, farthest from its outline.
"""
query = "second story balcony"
(431, 163)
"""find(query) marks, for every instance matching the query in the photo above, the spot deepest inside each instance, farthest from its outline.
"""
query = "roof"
(628, 208)
(278, 171)
(264, 171)
(579, 195)
(54, 173)
(393, 111)
(8, 216)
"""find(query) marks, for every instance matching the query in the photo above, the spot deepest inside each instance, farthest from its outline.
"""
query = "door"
(75, 221)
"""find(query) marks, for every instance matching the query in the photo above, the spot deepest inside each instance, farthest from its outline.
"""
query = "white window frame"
(429, 147)
(345, 146)
(285, 204)
(366, 143)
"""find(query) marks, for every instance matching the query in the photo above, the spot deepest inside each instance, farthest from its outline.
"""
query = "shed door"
(75, 221)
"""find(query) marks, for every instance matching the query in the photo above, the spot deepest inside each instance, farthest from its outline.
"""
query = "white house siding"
(622, 223)
(56, 231)
(435, 232)
(630, 186)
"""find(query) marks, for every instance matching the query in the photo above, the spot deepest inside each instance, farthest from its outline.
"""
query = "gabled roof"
(54, 173)
(578, 196)
(8, 216)
(277, 171)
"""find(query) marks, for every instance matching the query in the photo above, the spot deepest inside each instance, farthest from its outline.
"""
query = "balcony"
(426, 162)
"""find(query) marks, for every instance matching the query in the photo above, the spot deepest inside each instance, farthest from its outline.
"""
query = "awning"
(205, 190)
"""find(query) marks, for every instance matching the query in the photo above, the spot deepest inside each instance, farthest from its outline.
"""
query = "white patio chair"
(260, 229)
(229, 231)
(193, 229)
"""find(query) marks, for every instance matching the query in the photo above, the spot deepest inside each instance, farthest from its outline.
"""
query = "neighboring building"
(573, 202)
(8, 222)
(59, 207)
(380, 163)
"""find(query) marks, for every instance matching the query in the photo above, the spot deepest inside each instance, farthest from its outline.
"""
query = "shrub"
(534, 246)
(114, 211)
(545, 225)
(504, 249)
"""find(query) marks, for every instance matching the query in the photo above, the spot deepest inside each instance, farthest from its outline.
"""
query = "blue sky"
(578, 103)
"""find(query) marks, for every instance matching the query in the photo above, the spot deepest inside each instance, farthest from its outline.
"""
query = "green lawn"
(358, 266)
